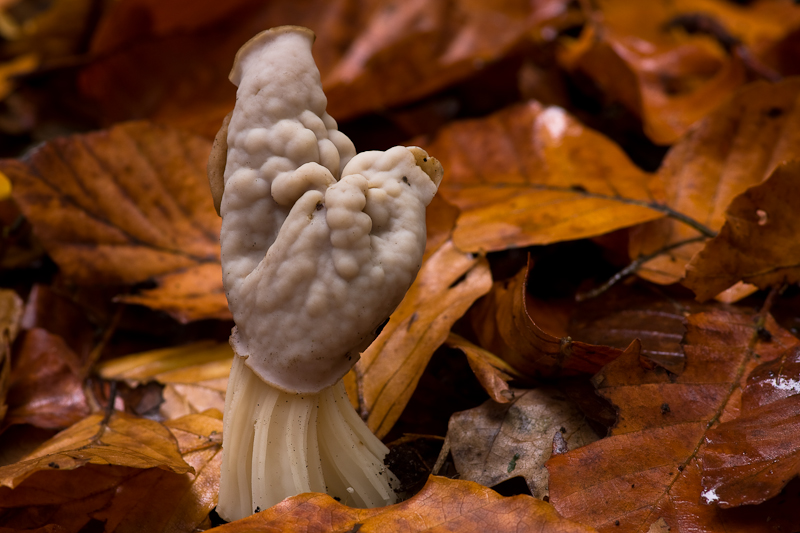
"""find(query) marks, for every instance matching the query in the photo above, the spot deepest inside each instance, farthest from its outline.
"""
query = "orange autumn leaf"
(647, 470)
(122, 440)
(734, 148)
(531, 174)
(124, 206)
(504, 326)
(442, 505)
(759, 241)
(124, 498)
(385, 377)
(491, 371)
(669, 78)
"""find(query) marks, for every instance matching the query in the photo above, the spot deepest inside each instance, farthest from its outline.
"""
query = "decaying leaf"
(495, 442)
(734, 148)
(385, 377)
(122, 440)
(10, 314)
(124, 206)
(648, 470)
(504, 326)
(758, 243)
(123, 499)
(442, 505)
(751, 458)
(640, 56)
(531, 174)
(45, 384)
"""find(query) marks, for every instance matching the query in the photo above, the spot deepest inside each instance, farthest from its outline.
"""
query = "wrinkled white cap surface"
(318, 245)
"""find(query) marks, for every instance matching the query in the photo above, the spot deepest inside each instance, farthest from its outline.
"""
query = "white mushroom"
(319, 245)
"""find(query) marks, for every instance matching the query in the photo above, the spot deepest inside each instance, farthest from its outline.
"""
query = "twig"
(765, 309)
(112, 399)
(94, 355)
(631, 268)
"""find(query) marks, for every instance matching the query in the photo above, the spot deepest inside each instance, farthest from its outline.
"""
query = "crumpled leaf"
(125, 498)
(495, 442)
(10, 314)
(751, 458)
(180, 62)
(122, 440)
(505, 327)
(46, 389)
(734, 148)
(388, 372)
(492, 372)
(647, 469)
(124, 206)
(758, 243)
(667, 77)
(531, 174)
(442, 505)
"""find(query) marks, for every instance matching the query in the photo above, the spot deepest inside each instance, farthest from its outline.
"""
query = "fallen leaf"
(46, 389)
(495, 442)
(442, 505)
(10, 313)
(388, 371)
(751, 458)
(534, 175)
(758, 243)
(124, 206)
(647, 469)
(122, 440)
(505, 327)
(639, 57)
(492, 372)
(736, 147)
(122, 499)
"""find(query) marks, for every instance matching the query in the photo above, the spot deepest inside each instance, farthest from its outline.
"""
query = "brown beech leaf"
(442, 505)
(124, 498)
(372, 54)
(45, 384)
(736, 147)
(504, 326)
(495, 442)
(10, 314)
(195, 376)
(492, 372)
(640, 57)
(127, 205)
(534, 175)
(750, 459)
(647, 470)
(385, 377)
(122, 440)
(758, 243)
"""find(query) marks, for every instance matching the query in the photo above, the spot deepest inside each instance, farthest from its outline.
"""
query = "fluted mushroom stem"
(276, 444)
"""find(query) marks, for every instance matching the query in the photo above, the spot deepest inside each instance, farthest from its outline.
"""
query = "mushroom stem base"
(277, 444)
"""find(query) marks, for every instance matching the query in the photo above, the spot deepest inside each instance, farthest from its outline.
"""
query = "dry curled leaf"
(388, 372)
(531, 174)
(647, 470)
(736, 147)
(124, 206)
(442, 505)
(758, 243)
(495, 442)
(122, 440)
(504, 326)
(492, 372)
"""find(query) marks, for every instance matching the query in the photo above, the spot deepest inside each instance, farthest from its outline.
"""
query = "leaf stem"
(631, 268)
